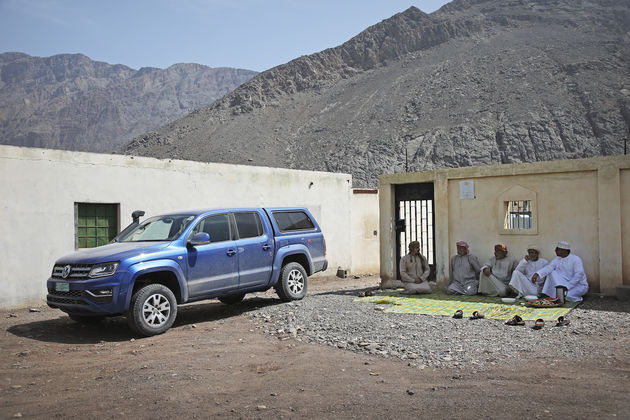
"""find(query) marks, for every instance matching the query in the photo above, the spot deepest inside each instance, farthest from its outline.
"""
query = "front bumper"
(85, 297)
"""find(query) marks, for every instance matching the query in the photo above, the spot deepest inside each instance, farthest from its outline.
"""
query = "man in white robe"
(497, 273)
(521, 280)
(415, 270)
(565, 270)
(463, 272)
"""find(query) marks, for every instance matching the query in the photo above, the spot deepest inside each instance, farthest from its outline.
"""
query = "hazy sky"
(247, 34)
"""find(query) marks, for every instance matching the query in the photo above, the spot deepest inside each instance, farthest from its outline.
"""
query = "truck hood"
(112, 252)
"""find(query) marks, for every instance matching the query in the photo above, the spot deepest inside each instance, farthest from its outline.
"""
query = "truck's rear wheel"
(153, 310)
(292, 284)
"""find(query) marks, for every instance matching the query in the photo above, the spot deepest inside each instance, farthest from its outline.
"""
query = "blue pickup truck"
(153, 266)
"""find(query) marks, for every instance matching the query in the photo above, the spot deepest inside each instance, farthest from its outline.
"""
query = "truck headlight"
(103, 270)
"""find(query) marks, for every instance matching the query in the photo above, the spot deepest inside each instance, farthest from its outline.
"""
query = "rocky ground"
(326, 356)
(336, 319)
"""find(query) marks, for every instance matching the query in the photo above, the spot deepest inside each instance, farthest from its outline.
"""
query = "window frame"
(113, 229)
(517, 193)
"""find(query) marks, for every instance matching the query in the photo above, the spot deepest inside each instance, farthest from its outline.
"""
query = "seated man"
(463, 272)
(497, 273)
(565, 270)
(414, 270)
(521, 280)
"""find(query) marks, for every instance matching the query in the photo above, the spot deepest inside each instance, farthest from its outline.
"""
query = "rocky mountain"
(71, 102)
(477, 82)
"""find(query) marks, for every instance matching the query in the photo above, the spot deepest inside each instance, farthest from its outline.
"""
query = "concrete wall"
(39, 188)
(625, 223)
(583, 201)
(365, 226)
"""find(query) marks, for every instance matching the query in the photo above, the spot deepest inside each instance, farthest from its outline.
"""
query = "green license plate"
(62, 287)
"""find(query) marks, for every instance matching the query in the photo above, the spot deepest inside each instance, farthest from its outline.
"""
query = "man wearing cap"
(566, 270)
(463, 272)
(521, 280)
(415, 270)
(497, 273)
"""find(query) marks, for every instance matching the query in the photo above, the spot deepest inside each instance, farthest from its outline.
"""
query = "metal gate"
(415, 221)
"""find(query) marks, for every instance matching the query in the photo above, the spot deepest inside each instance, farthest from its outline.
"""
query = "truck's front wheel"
(292, 283)
(153, 310)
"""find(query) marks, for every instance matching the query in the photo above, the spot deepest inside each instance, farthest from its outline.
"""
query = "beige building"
(49, 198)
(583, 201)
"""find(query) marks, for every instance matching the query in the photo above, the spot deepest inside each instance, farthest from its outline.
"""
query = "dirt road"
(213, 363)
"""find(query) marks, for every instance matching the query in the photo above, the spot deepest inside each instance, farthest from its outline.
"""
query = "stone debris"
(337, 320)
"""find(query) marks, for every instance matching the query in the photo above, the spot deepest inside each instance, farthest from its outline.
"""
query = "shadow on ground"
(65, 330)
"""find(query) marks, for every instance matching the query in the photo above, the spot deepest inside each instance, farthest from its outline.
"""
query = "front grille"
(52, 299)
(74, 293)
(101, 300)
(77, 272)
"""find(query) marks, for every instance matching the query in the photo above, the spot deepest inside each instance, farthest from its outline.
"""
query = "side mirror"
(201, 238)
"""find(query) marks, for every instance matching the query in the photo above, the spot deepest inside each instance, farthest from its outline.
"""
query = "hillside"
(476, 82)
(71, 102)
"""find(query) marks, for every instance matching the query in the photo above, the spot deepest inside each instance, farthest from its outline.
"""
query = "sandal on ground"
(538, 324)
(477, 315)
(458, 314)
(562, 322)
(515, 320)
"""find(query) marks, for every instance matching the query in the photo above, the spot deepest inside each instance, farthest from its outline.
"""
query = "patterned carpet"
(439, 303)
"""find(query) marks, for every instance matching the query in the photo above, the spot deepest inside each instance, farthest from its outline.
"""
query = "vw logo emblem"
(66, 271)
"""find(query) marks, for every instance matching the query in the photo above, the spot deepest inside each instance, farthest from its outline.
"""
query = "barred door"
(415, 221)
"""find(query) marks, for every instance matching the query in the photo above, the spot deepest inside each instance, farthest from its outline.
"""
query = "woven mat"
(439, 303)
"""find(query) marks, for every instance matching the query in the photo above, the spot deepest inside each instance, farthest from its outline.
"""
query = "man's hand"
(487, 271)
(418, 280)
(527, 257)
(535, 277)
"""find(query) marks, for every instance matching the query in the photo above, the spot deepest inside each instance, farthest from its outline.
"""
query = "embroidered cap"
(564, 245)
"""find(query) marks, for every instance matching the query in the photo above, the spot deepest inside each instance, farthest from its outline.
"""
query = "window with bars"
(518, 215)
(418, 226)
(96, 224)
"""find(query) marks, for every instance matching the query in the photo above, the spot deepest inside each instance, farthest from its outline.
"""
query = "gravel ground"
(599, 329)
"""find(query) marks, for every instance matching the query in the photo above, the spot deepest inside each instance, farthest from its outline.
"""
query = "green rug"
(439, 303)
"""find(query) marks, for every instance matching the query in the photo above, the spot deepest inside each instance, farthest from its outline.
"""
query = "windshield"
(160, 228)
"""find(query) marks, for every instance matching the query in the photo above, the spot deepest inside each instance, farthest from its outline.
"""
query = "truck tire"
(152, 311)
(292, 283)
(231, 299)
(88, 320)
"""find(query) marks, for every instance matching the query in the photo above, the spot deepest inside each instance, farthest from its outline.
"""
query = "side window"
(293, 220)
(248, 224)
(217, 226)
(96, 224)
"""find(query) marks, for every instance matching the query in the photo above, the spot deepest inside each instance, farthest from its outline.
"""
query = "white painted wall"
(365, 225)
(40, 186)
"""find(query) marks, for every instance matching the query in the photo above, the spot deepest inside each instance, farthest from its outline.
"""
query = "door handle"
(266, 247)
(230, 252)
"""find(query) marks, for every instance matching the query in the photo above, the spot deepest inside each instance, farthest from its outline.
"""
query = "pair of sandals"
(459, 314)
(517, 320)
(539, 323)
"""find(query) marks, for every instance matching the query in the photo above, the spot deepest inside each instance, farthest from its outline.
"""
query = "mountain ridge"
(69, 101)
(474, 83)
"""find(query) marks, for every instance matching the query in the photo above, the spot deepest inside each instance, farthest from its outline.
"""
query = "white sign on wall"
(467, 189)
